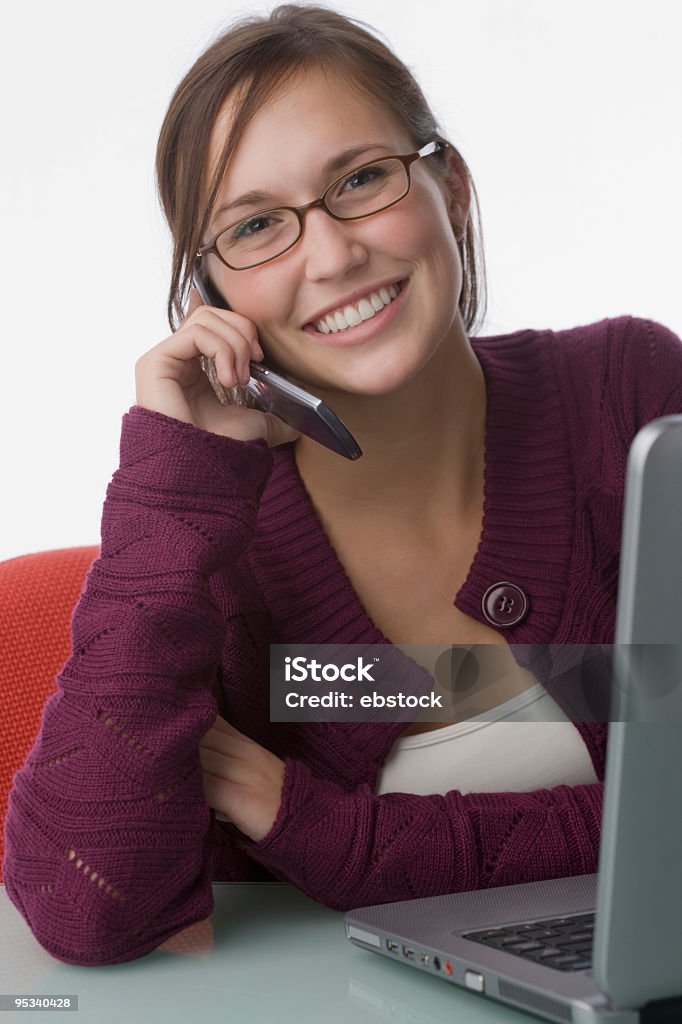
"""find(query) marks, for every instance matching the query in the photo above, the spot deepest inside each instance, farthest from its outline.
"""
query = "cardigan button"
(504, 605)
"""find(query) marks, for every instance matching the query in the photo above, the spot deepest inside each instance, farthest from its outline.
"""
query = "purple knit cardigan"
(211, 551)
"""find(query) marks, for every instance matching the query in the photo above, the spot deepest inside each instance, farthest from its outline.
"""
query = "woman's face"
(283, 152)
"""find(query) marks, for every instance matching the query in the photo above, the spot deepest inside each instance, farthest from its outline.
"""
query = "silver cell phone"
(270, 392)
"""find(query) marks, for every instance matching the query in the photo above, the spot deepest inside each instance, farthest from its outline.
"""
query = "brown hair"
(256, 55)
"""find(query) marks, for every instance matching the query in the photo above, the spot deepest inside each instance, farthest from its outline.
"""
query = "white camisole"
(524, 744)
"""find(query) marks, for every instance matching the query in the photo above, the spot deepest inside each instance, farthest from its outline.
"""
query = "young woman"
(304, 177)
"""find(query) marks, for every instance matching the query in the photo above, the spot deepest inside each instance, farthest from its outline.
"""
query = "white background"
(567, 112)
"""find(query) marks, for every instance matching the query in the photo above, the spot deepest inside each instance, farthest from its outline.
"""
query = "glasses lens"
(258, 238)
(369, 189)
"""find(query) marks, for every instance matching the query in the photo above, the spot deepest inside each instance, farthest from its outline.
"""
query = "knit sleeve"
(351, 849)
(652, 369)
(106, 831)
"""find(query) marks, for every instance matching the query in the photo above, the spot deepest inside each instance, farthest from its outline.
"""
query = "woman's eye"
(362, 177)
(252, 226)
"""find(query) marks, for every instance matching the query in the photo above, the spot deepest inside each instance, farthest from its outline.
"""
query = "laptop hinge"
(662, 1011)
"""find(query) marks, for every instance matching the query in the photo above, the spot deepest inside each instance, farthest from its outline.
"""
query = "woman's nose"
(330, 247)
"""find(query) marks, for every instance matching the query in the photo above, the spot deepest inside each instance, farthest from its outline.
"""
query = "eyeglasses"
(365, 190)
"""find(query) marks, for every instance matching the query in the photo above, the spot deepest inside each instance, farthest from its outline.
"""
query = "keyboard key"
(581, 936)
(581, 950)
(560, 922)
(523, 947)
(539, 933)
(538, 955)
(565, 960)
(571, 944)
(548, 951)
(501, 940)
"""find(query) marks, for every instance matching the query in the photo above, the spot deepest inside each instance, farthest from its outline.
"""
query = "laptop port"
(436, 963)
(408, 953)
(425, 959)
(392, 947)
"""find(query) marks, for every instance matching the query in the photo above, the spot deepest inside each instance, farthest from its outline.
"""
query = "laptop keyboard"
(561, 942)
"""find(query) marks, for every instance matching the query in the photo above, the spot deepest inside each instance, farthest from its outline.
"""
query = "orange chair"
(38, 594)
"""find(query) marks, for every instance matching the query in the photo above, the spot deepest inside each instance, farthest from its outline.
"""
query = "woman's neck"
(425, 439)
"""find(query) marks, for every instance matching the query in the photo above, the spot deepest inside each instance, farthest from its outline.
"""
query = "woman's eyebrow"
(333, 165)
(341, 160)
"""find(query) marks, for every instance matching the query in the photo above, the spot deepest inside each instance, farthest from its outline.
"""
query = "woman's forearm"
(107, 819)
(352, 849)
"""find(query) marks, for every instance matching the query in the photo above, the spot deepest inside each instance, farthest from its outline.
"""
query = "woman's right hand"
(169, 378)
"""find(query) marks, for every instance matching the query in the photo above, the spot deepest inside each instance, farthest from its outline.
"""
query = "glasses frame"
(435, 146)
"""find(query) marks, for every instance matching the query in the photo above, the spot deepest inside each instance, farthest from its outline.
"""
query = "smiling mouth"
(355, 313)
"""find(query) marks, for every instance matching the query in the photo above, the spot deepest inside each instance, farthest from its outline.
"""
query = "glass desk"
(268, 953)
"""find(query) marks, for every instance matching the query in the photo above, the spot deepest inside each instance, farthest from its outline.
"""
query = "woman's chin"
(364, 384)
(364, 374)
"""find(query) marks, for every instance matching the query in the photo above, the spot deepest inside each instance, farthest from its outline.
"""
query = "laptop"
(606, 946)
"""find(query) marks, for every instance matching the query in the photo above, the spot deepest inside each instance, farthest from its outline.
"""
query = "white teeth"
(351, 316)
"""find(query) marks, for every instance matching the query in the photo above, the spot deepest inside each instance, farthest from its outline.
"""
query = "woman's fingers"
(225, 739)
(231, 354)
(170, 377)
(233, 770)
(241, 779)
(204, 334)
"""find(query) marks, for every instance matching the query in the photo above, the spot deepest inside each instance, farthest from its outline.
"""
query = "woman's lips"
(368, 328)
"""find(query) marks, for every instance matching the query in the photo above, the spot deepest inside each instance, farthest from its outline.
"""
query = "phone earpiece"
(208, 291)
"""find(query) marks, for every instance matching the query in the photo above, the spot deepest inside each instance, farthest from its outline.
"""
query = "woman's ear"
(457, 191)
